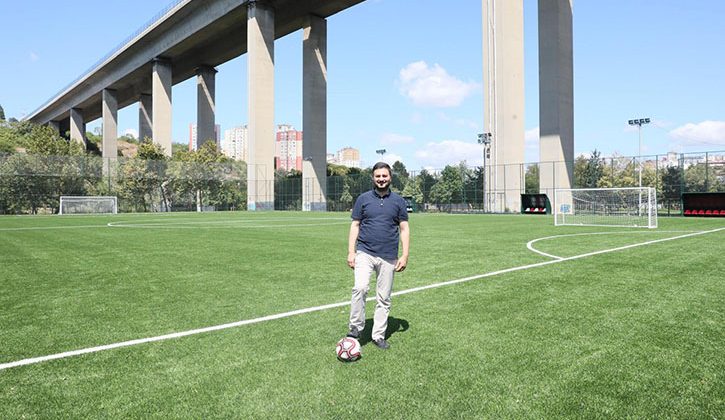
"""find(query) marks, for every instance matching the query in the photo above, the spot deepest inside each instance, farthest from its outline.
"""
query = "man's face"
(381, 178)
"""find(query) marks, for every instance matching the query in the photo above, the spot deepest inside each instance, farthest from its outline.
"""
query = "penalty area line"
(129, 343)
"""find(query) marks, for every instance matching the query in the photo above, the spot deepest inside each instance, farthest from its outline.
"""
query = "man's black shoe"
(381, 343)
(354, 334)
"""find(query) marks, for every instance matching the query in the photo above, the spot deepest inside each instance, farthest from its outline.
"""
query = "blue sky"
(406, 75)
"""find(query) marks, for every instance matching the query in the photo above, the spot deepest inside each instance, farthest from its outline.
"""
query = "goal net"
(625, 207)
(88, 205)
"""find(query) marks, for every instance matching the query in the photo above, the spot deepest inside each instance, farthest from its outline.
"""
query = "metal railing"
(111, 53)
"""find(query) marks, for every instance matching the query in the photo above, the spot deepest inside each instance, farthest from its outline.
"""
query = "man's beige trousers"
(365, 264)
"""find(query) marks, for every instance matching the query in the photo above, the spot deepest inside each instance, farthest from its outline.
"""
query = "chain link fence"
(31, 184)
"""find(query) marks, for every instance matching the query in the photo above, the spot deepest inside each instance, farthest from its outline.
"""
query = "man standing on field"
(379, 223)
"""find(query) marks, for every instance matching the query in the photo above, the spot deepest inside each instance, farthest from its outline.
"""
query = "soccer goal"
(88, 205)
(624, 207)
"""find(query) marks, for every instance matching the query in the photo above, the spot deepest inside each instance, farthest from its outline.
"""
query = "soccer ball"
(348, 349)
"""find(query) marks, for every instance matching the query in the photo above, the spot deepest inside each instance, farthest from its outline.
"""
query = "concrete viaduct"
(193, 37)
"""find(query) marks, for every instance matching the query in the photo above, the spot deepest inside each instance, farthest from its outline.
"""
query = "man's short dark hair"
(380, 165)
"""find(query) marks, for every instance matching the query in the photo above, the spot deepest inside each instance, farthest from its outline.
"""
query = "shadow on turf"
(394, 325)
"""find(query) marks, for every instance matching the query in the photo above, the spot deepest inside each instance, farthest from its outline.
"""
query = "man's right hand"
(351, 259)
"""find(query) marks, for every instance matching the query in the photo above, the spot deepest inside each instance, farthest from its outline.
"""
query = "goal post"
(88, 205)
(620, 207)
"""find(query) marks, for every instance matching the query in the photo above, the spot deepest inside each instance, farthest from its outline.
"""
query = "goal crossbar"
(95, 204)
(616, 207)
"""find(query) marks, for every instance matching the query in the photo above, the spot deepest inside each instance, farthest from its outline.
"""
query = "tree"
(51, 167)
(412, 189)
(141, 181)
(588, 171)
(622, 172)
(176, 147)
(400, 170)
(672, 182)
(400, 176)
(426, 181)
(449, 189)
(346, 197)
(207, 177)
(473, 186)
(2, 113)
(531, 179)
(288, 189)
(93, 142)
(336, 170)
(359, 182)
(128, 138)
(9, 138)
(441, 196)
(704, 177)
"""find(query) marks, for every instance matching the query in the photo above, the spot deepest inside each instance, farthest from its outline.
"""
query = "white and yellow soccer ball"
(348, 349)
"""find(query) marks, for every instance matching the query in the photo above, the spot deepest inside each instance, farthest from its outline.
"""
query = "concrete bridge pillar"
(260, 53)
(205, 105)
(161, 104)
(55, 125)
(77, 127)
(314, 115)
(503, 80)
(145, 117)
(556, 96)
(110, 124)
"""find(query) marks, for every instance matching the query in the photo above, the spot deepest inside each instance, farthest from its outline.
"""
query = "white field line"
(63, 355)
(49, 228)
(530, 244)
(222, 225)
(171, 223)
(575, 257)
(189, 221)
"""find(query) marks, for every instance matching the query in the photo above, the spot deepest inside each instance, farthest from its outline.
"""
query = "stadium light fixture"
(381, 152)
(639, 123)
(485, 140)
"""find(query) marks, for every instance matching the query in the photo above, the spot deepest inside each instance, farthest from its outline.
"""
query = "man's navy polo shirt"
(379, 219)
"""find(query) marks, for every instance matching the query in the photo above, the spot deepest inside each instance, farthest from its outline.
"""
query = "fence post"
(657, 176)
(682, 180)
(707, 172)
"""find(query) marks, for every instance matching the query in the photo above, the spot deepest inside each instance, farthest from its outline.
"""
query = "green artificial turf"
(632, 333)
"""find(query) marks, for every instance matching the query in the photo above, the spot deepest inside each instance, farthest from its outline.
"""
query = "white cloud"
(531, 145)
(433, 86)
(710, 133)
(131, 132)
(33, 57)
(449, 152)
(392, 138)
(531, 138)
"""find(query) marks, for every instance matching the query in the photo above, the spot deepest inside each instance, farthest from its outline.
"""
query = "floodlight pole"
(381, 152)
(485, 140)
(639, 153)
(639, 122)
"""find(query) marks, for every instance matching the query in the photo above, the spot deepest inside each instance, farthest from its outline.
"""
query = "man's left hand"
(401, 264)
